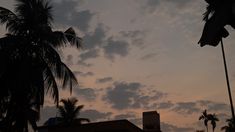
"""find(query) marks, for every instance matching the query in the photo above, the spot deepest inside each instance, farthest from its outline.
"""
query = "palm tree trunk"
(227, 80)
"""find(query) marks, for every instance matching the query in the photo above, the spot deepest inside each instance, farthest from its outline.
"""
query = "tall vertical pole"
(227, 80)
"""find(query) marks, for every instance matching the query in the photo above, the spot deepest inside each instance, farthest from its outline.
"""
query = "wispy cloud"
(131, 96)
(83, 74)
(149, 56)
(95, 115)
(89, 94)
(104, 80)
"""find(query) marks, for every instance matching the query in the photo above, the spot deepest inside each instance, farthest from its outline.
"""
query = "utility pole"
(227, 80)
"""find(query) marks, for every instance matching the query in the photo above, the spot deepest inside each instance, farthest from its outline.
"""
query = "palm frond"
(58, 39)
(206, 122)
(51, 84)
(224, 128)
(60, 70)
(53, 60)
(9, 18)
(62, 111)
(201, 117)
(63, 39)
(72, 38)
(33, 117)
(209, 11)
(6, 15)
(64, 101)
(77, 110)
(69, 79)
(12, 21)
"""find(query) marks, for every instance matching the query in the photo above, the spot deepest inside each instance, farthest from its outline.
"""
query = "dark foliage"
(68, 114)
(30, 64)
(219, 14)
(230, 127)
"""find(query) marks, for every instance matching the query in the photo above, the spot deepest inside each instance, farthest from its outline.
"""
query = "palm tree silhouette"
(204, 117)
(230, 127)
(219, 14)
(30, 63)
(213, 118)
(69, 112)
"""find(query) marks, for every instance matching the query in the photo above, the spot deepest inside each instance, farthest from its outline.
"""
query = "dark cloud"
(196, 107)
(95, 115)
(136, 37)
(95, 39)
(186, 107)
(165, 127)
(149, 56)
(121, 95)
(223, 116)
(115, 48)
(152, 2)
(132, 34)
(124, 116)
(67, 14)
(99, 40)
(81, 19)
(218, 106)
(214, 106)
(86, 93)
(179, 3)
(83, 74)
(62, 10)
(104, 80)
(82, 63)
(165, 105)
(93, 53)
(130, 95)
(92, 43)
(153, 5)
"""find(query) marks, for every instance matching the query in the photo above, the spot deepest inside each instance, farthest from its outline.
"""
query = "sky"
(142, 55)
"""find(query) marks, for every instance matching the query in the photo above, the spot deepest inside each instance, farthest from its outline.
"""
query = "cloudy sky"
(142, 55)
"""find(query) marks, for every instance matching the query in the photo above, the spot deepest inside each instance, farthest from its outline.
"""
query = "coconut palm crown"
(30, 64)
(205, 118)
(219, 14)
(69, 111)
(213, 118)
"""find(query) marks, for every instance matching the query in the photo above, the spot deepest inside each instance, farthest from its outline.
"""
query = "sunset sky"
(142, 55)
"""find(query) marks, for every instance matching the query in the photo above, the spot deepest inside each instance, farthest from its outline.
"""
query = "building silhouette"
(151, 123)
